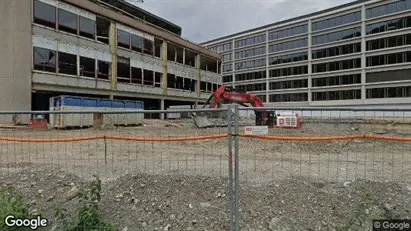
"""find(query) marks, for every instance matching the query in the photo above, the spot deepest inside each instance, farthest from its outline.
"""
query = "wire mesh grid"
(343, 146)
(162, 170)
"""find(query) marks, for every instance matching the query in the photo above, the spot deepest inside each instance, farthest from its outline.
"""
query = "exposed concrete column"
(198, 65)
(164, 59)
(363, 58)
(184, 56)
(113, 50)
(310, 71)
(162, 108)
(267, 64)
(233, 63)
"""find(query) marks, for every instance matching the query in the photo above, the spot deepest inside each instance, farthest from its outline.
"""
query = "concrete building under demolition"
(356, 55)
(98, 48)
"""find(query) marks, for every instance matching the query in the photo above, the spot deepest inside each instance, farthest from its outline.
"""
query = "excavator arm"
(226, 94)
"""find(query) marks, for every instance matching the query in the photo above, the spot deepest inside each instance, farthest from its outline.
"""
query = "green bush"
(88, 211)
(12, 203)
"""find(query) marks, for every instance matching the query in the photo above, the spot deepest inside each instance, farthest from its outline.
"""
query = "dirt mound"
(175, 202)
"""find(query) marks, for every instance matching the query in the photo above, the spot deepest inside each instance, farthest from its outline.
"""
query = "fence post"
(230, 167)
(237, 168)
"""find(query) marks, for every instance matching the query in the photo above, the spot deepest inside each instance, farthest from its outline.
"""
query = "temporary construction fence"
(147, 162)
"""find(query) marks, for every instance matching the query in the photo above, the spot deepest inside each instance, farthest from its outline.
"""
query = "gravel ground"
(183, 185)
(179, 202)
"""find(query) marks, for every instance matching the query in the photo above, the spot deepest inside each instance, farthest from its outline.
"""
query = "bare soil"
(183, 185)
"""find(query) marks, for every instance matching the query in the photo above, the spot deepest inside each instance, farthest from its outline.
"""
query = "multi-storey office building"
(98, 48)
(357, 54)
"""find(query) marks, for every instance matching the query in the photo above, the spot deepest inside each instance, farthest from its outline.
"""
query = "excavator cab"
(271, 118)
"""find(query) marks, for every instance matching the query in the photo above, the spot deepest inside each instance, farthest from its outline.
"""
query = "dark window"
(123, 39)
(87, 67)
(67, 21)
(387, 76)
(44, 59)
(288, 97)
(44, 14)
(336, 95)
(148, 47)
(389, 25)
(136, 75)
(103, 70)
(148, 78)
(137, 43)
(87, 27)
(103, 27)
(203, 86)
(67, 63)
(227, 78)
(338, 65)
(123, 69)
(171, 81)
(375, 93)
(157, 80)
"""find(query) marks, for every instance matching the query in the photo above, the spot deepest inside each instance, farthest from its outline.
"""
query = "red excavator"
(262, 117)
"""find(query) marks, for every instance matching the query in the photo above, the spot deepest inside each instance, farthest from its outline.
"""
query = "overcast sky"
(203, 20)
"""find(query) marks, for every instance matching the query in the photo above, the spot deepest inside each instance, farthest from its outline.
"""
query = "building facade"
(356, 55)
(98, 48)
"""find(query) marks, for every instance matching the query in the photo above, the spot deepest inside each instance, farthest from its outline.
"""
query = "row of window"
(390, 8)
(337, 80)
(222, 47)
(250, 41)
(60, 19)
(389, 25)
(290, 97)
(250, 52)
(394, 41)
(337, 21)
(208, 86)
(390, 92)
(250, 76)
(227, 67)
(273, 35)
(250, 64)
(227, 57)
(336, 95)
(296, 57)
(134, 42)
(374, 93)
(386, 76)
(336, 51)
(378, 60)
(288, 71)
(178, 82)
(288, 45)
(337, 36)
(64, 63)
(300, 83)
(251, 87)
(337, 65)
(48, 15)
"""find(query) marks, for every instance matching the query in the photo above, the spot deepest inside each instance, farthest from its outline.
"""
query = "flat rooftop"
(144, 15)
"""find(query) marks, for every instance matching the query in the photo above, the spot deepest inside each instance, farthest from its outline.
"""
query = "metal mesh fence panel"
(339, 170)
(155, 174)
